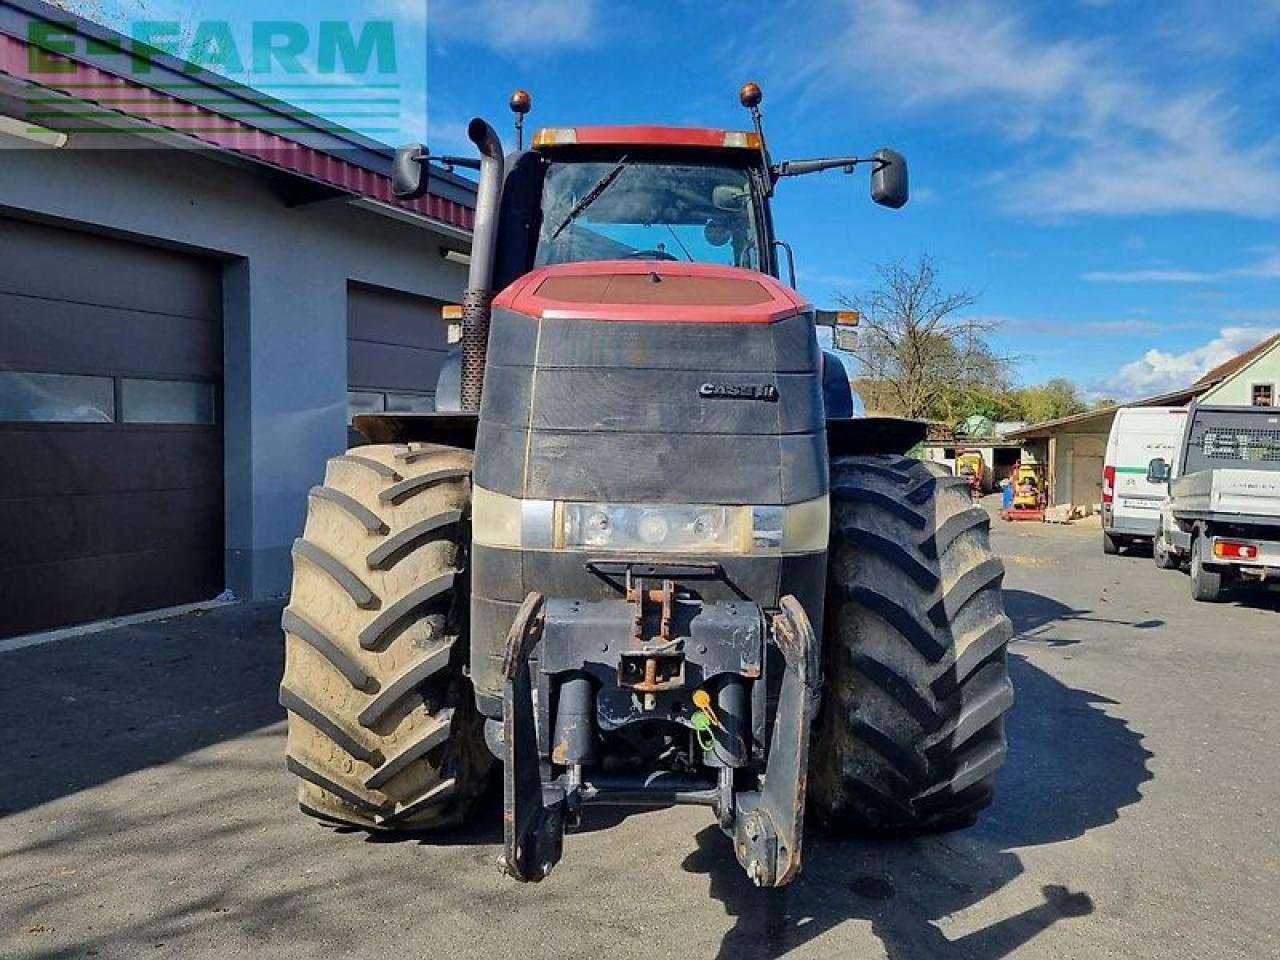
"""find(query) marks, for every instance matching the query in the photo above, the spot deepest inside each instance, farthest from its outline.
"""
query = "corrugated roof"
(1176, 398)
(172, 97)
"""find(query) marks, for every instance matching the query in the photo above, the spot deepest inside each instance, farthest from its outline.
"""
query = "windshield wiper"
(590, 197)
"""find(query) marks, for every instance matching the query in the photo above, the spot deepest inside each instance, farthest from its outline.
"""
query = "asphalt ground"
(145, 810)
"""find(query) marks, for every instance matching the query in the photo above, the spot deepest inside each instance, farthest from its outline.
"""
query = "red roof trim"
(655, 135)
(92, 85)
(521, 297)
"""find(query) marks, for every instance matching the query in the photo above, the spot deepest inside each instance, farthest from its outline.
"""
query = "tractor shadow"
(1045, 621)
(1071, 768)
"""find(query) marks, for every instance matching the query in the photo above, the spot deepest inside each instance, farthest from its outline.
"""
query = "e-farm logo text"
(343, 73)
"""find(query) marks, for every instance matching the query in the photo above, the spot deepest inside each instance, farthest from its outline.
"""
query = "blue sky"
(1104, 175)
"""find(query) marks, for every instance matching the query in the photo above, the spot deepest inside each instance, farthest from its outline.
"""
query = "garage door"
(396, 344)
(110, 447)
(1087, 455)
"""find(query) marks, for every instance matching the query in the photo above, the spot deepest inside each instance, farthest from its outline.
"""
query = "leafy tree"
(1057, 398)
(920, 355)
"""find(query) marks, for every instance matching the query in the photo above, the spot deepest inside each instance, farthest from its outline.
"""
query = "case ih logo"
(739, 391)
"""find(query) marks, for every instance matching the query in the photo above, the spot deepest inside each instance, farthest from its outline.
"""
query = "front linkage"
(574, 670)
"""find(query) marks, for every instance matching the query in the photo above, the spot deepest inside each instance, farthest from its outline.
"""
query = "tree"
(1057, 398)
(920, 355)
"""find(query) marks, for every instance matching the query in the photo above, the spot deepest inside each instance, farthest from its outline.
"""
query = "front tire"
(1206, 584)
(383, 729)
(1164, 558)
(917, 685)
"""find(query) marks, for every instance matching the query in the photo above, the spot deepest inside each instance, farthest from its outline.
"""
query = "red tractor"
(644, 554)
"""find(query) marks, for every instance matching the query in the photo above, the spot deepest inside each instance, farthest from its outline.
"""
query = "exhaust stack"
(477, 300)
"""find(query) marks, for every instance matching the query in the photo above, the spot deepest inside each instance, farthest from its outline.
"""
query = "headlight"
(656, 527)
(501, 521)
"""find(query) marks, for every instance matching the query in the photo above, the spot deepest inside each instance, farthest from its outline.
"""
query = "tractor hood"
(656, 291)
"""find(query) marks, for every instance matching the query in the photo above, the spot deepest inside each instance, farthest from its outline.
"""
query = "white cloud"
(1268, 268)
(1099, 138)
(514, 26)
(1160, 371)
(954, 52)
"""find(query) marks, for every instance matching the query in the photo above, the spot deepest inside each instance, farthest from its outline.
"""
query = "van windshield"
(634, 210)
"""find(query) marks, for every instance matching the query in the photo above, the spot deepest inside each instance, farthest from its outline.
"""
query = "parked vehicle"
(1222, 511)
(1130, 500)
(643, 563)
(971, 466)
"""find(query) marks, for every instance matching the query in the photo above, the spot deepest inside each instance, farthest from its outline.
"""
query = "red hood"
(656, 291)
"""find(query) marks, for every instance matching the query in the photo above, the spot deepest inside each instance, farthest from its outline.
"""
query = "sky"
(1104, 175)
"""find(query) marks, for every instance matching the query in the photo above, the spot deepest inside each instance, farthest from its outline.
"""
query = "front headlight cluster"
(605, 526)
(501, 521)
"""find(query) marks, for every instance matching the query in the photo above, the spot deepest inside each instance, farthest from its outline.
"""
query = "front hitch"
(766, 824)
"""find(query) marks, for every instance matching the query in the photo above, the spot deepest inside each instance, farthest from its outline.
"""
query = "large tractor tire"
(917, 684)
(383, 730)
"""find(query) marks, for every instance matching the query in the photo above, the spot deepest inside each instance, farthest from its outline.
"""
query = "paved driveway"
(145, 811)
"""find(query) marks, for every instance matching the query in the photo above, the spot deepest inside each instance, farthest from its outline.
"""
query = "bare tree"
(918, 346)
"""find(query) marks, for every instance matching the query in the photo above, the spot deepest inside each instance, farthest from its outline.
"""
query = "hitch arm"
(532, 814)
(768, 832)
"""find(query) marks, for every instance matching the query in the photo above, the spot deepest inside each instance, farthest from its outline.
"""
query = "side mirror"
(1158, 471)
(409, 171)
(889, 178)
(728, 197)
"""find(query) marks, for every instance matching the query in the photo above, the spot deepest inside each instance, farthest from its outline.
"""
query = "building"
(1249, 380)
(189, 304)
(1072, 448)
(978, 435)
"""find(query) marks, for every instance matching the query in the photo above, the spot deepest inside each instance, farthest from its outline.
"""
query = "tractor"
(643, 553)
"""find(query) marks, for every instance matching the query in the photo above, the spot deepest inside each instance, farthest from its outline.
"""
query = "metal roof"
(1176, 398)
(170, 98)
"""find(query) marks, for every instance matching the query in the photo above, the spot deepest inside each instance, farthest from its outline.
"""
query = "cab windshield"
(633, 210)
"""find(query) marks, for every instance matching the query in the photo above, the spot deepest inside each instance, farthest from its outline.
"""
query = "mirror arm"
(798, 168)
(471, 163)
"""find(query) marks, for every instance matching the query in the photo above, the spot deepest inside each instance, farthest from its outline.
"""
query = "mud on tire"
(917, 684)
(383, 731)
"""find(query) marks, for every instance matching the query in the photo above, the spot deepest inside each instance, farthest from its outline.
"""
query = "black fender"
(837, 393)
(870, 435)
(450, 429)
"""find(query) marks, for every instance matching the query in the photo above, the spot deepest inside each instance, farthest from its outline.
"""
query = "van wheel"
(1110, 545)
(1206, 585)
(1160, 552)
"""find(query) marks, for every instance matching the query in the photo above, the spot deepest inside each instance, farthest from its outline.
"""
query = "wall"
(1237, 390)
(1077, 466)
(285, 278)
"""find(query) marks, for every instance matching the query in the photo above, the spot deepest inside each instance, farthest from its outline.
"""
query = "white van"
(1131, 502)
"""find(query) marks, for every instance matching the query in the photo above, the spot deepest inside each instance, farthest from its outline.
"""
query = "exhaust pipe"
(477, 300)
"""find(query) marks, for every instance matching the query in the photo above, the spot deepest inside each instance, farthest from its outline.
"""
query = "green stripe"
(1141, 470)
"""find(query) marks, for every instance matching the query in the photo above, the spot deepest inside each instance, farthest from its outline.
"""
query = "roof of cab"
(647, 135)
